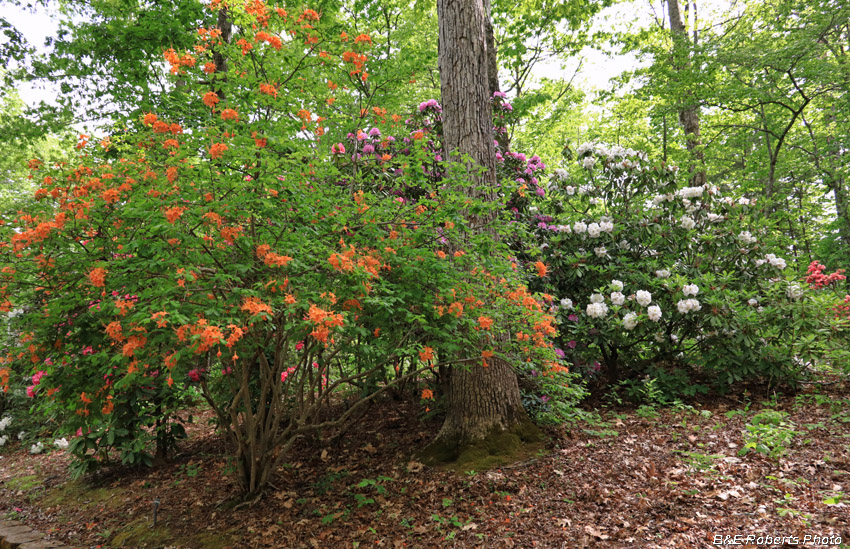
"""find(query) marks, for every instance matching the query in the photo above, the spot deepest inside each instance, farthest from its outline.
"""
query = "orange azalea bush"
(236, 258)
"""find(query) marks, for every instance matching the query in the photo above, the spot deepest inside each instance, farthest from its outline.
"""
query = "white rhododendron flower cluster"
(654, 313)
(687, 222)
(662, 273)
(630, 321)
(794, 291)
(61, 443)
(37, 448)
(777, 262)
(691, 192)
(690, 289)
(685, 306)
(617, 298)
(596, 310)
(643, 298)
(747, 238)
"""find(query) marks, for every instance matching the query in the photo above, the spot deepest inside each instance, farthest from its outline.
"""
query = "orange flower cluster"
(174, 213)
(541, 268)
(40, 232)
(309, 15)
(356, 59)
(245, 45)
(176, 60)
(236, 334)
(124, 306)
(324, 322)
(254, 306)
(217, 150)
(229, 234)
(113, 330)
(213, 217)
(134, 342)
(211, 99)
(210, 336)
(426, 354)
(273, 41)
(229, 114)
(269, 89)
(159, 318)
(97, 277)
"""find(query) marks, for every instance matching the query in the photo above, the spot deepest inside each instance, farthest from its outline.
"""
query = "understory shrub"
(684, 284)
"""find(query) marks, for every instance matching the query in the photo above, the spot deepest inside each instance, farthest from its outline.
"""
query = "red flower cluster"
(817, 280)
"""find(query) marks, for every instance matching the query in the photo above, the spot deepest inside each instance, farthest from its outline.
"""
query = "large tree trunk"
(483, 402)
(688, 109)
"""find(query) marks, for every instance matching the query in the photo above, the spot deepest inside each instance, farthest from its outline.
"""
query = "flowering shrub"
(669, 281)
(406, 166)
(243, 259)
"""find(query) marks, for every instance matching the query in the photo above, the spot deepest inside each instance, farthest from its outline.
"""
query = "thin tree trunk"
(689, 109)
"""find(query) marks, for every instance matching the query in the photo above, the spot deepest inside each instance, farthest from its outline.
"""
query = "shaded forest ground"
(639, 477)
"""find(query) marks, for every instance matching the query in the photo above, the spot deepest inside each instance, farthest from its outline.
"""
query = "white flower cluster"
(570, 190)
(594, 229)
(596, 310)
(659, 198)
(654, 313)
(617, 298)
(747, 238)
(688, 222)
(714, 218)
(588, 162)
(584, 148)
(777, 262)
(752, 302)
(643, 297)
(617, 285)
(37, 448)
(567, 303)
(630, 321)
(690, 289)
(61, 443)
(662, 273)
(794, 291)
(601, 252)
(687, 305)
(691, 192)
(561, 174)
(5, 423)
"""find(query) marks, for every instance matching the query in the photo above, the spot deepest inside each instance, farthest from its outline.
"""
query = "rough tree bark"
(688, 110)
(483, 403)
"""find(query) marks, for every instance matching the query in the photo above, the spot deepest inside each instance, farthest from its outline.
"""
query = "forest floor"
(631, 477)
